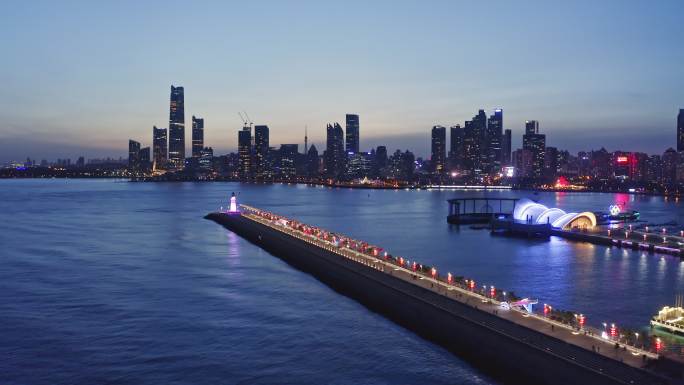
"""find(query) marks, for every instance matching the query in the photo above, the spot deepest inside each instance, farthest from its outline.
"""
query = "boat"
(624, 216)
(670, 318)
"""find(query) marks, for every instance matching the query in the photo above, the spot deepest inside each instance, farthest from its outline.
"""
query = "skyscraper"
(506, 148)
(475, 142)
(535, 142)
(456, 151)
(334, 151)
(680, 130)
(245, 152)
(261, 151)
(312, 161)
(144, 159)
(288, 160)
(206, 159)
(438, 156)
(197, 136)
(177, 128)
(133, 155)
(493, 141)
(159, 147)
(352, 144)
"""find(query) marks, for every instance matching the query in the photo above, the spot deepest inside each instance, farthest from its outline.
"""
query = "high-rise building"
(312, 161)
(261, 152)
(438, 153)
(670, 162)
(197, 136)
(680, 130)
(144, 159)
(359, 164)
(493, 142)
(551, 162)
(288, 160)
(159, 147)
(456, 149)
(475, 143)
(133, 155)
(206, 159)
(334, 151)
(245, 152)
(536, 144)
(352, 144)
(177, 128)
(380, 162)
(506, 148)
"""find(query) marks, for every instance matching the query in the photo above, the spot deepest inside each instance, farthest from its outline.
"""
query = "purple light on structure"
(233, 204)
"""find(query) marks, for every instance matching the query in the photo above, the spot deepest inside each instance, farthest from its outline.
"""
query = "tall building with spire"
(352, 135)
(306, 140)
(159, 148)
(680, 130)
(177, 128)
(197, 136)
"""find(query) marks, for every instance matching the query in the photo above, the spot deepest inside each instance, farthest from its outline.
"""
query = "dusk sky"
(81, 78)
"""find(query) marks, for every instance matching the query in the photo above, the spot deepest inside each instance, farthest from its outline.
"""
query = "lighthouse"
(233, 204)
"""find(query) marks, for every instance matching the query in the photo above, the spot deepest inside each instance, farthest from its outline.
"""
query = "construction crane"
(245, 122)
(248, 119)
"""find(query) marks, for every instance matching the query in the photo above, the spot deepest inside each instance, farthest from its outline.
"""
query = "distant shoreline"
(361, 186)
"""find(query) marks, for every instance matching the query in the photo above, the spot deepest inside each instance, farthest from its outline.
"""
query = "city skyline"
(91, 101)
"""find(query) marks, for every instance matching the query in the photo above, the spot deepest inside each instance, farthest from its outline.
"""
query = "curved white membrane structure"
(536, 213)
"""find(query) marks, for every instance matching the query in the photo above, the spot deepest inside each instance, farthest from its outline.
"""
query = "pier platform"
(512, 344)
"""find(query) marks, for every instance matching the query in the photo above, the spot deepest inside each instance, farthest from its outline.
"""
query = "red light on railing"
(433, 272)
(492, 292)
(449, 278)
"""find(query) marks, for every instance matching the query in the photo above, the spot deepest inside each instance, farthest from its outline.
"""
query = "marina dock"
(512, 343)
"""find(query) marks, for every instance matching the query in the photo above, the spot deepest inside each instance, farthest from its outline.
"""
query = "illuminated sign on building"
(622, 159)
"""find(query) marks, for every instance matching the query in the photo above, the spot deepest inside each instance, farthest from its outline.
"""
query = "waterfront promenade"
(506, 321)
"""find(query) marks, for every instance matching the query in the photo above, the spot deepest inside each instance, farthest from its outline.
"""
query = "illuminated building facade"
(334, 151)
(438, 153)
(352, 133)
(535, 213)
(133, 155)
(536, 144)
(261, 140)
(288, 161)
(359, 164)
(680, 131)
(197, 136)
(159, 147)
(456, 149)
(245, 152)
(475, 142)
(493, 141)
(206, 159)
(506, 148)
(177, 128)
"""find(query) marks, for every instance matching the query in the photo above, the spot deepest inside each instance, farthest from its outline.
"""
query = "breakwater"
(513, 345)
